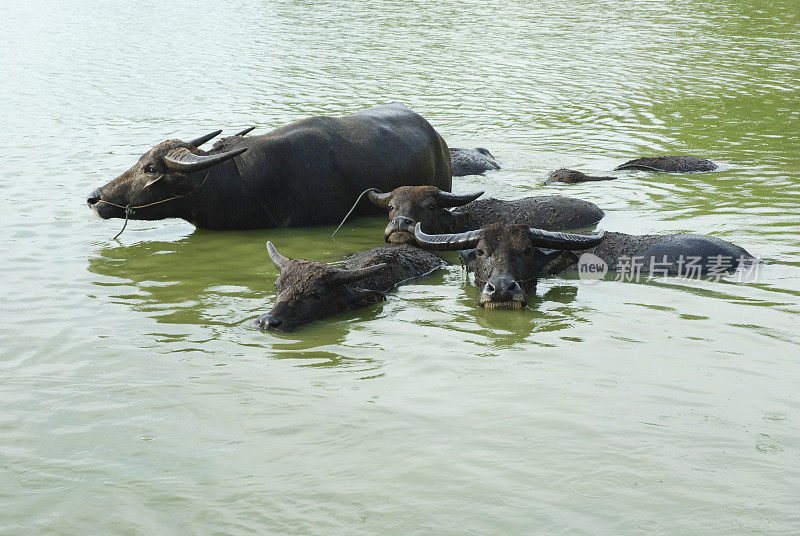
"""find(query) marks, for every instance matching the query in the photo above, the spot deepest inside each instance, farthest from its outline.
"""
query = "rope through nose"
(129, 210)
(354, 207)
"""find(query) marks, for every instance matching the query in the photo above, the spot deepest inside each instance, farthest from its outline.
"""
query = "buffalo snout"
(503, 293)
(272, 322)
(400, 231)
(93, 198)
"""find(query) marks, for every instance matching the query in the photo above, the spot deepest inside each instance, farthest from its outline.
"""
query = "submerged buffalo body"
(427, 205)
(673, 254)
(311, 290)
(471, 161)
(571, 176)
(509, 259)
(669, 164)
(305, 173)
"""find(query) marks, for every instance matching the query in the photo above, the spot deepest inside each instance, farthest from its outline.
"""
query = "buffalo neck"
(225, 201)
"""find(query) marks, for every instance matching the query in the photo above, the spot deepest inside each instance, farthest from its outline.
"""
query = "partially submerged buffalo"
(666, 164)
(508, 259)
(571, 176)
(311, 290)
(428, 205)
(673, 254)
(305, 173)
(669, 164)
(471, 161)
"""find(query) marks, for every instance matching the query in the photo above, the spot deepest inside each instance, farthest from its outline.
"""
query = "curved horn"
(447, 242)
(197, 142)
(448, 200)
(382, 200)
(277, 259)
(182, 159)
(349, 276)
(245, 131)
(565, 241)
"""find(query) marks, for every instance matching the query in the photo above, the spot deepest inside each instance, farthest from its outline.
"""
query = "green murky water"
(136, 400)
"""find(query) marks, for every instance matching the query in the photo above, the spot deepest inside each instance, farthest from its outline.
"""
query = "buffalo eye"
(391, 208)
(150, 169)
(432, 206)
(480, 252)
(315, 295)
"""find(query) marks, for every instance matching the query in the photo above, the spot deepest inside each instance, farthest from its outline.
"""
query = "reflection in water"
(547, 312)
(222, 281)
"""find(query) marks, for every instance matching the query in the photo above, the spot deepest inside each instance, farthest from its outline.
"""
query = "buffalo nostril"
(513, 286)
(274, 321)
(489, 287)
(93, 198)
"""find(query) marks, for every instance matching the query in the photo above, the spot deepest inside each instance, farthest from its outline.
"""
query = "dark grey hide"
(669, 164)
(471, 161)
(673, 254)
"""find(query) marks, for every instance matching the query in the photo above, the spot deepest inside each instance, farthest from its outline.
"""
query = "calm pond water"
(136, 400)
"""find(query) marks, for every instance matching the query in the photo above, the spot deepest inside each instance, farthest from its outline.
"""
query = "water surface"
(136, 400)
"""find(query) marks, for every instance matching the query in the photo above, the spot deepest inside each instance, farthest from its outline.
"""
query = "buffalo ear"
(558, 261)
(153, 181)
(468, 258)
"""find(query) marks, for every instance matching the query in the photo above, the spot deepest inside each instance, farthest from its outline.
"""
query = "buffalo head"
(310, 290)
(167, 172)
(507, 259)
(427, 205)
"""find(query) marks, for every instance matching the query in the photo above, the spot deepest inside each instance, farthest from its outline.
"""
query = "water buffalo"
(672, 254)
(508, 259)
(310, 290)
(670, 164)
(570, 176)
(428, 205)
(305, 173)
(471, 161)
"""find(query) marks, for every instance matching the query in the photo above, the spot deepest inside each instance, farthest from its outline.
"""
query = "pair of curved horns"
(182, 159)
(197, 142)
(445, 199)
(338, 277)
(539, 237)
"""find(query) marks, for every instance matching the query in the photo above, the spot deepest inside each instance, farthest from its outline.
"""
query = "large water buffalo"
(427, 205)
(305, 173)
(311, 290)
(508, 259)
